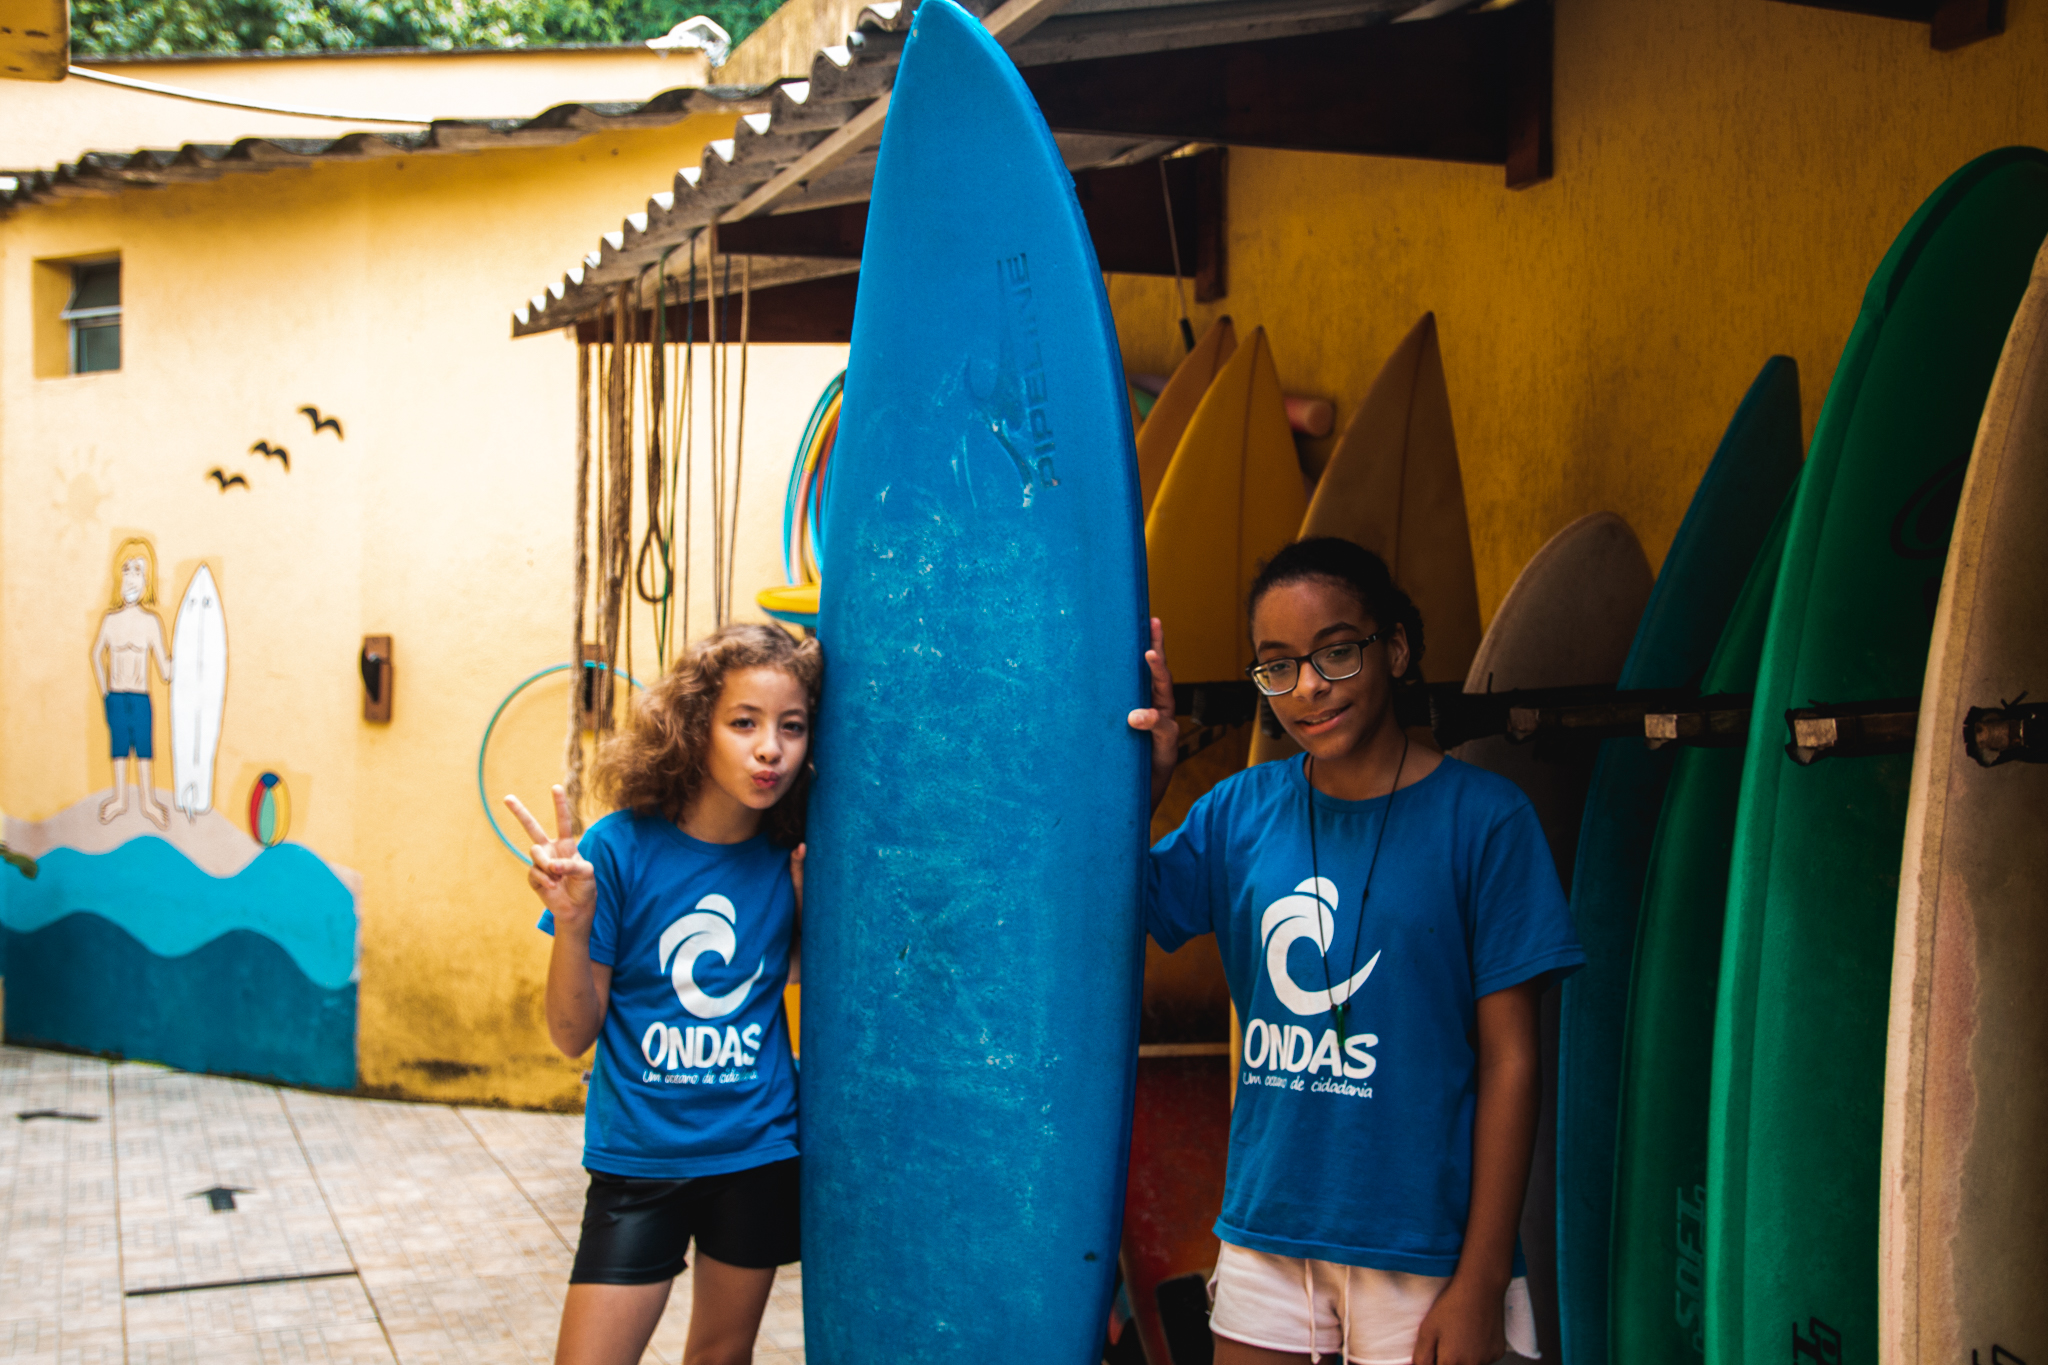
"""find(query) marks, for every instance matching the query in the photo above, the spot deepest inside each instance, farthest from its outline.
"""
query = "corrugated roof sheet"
(798, 115)
(104, 173)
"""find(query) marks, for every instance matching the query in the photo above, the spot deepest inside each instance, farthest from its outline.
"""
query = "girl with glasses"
(674, 920)
(1388, 918)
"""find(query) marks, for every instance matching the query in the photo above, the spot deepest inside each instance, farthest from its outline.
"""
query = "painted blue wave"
(171, 906)
(237, 1005)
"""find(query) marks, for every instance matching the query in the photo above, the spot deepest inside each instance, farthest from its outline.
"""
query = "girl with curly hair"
(674, 923)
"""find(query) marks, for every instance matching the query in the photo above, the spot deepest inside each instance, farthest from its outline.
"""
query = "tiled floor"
(422, 1233)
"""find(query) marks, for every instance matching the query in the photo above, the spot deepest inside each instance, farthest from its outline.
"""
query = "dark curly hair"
(656, 765)
(1355, 569)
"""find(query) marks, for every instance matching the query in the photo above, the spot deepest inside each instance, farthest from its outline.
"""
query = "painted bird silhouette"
(270, 451)
(226, 480)
(320, 424)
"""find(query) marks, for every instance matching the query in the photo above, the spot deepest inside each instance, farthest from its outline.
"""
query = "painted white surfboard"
(199, 689)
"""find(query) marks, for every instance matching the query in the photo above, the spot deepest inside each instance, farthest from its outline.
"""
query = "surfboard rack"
(1716, 722)
(1216, 703)
(1857, 729)
(2007, 733)
(1554, 718)
(1561, 720)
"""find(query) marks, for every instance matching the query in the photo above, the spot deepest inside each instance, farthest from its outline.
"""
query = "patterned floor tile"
(457, 1226)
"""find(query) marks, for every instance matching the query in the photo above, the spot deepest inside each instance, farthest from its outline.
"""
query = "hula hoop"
(800, 502)
(484, 748)
(821, 478)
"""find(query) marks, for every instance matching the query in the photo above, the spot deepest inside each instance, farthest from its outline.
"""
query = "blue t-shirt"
(693, 1073)
(1358, 1149)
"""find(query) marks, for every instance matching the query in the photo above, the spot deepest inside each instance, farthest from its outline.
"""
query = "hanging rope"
(1187, 329)
(723, 419)
(654, 565)
(600, 502)
(615, 526)
(572, 751)
(636, 404)
(713, 332)
(739, 451)
(631, 353)
(688, 418)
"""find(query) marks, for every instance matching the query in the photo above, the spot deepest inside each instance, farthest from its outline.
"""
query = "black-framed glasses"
(1277, 677)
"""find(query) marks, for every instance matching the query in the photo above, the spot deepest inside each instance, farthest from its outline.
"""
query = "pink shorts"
(1286, 1303)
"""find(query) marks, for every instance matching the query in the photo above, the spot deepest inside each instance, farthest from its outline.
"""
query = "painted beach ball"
(270, 810)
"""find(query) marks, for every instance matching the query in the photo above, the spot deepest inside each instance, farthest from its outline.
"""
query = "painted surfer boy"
(131, 634)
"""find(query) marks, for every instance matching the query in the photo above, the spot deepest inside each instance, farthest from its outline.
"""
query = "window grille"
(94, 317)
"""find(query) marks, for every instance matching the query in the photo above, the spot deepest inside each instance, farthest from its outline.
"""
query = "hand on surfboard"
(1158, 717)
(562, 878)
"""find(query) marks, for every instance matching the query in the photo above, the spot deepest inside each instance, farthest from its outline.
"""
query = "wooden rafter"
(1470, 88)
(1951, 23)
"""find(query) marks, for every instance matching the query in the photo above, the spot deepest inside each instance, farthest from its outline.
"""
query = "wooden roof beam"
(1951, 23)
(1469, 88)
(1126, 209)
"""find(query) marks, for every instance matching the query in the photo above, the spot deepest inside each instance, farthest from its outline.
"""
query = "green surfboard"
(1703, 581)
(1655, 1273)
(1794, 1133)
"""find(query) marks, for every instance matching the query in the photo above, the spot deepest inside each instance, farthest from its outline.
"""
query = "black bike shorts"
(636, 1231)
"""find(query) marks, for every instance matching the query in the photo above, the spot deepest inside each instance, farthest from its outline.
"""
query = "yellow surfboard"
(1393, 485)
(1231, 497)
(1160, 434)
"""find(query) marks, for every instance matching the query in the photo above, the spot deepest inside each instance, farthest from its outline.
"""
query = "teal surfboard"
(1656, 1260)
(1794, 1131)
(972, 950)
(1702, 575)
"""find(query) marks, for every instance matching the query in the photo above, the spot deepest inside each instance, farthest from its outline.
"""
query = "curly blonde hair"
(657, 763)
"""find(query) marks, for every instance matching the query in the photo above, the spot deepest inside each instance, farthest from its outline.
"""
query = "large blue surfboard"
(972, 949)
(1726, 525)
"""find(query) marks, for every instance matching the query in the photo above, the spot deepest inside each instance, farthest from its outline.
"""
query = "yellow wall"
(46, 125)
(380, 293)
(1728, 175)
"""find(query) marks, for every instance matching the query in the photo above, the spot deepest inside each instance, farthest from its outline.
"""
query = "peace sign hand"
(563, 879)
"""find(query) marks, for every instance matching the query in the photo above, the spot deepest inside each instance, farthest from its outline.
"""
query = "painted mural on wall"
(155, 926)
(130, 641)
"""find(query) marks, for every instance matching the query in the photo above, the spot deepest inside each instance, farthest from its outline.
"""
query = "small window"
(94, 317)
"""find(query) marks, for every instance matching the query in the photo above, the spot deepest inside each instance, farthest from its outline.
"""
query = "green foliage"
(163, 27)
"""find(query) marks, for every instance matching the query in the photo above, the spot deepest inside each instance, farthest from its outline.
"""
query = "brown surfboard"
(1568, 620)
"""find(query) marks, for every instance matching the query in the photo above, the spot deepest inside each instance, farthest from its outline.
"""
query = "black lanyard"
(1315, 870)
